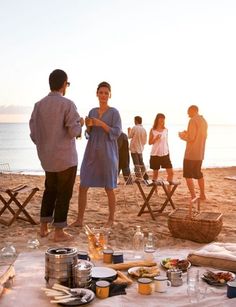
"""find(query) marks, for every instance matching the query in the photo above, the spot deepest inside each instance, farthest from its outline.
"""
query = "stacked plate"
(83, 274)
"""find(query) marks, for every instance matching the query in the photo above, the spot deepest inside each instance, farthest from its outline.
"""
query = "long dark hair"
(158, 116)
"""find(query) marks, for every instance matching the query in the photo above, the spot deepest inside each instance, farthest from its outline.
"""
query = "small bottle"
(149, 248)
(138, 243)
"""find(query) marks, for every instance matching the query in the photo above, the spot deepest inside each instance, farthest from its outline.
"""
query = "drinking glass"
(193, 277)
(33, 243)
(196, 292)
(8, 253)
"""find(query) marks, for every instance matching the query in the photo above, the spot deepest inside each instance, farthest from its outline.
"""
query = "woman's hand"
(99, 123)
(89, 121)
(157, 138)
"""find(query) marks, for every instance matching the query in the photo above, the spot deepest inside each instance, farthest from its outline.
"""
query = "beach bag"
(193, 225)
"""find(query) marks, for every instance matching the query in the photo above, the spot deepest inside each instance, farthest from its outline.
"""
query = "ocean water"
(17, 149)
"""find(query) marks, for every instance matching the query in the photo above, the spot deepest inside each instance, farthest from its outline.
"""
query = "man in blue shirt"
(54, 125)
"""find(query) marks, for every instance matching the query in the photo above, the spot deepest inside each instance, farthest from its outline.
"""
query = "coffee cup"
(117, 257)
(89, 121)
(102, 289)
(144, 286)
(83, 255)
(107, 255)
(231, 289)
(161, 283)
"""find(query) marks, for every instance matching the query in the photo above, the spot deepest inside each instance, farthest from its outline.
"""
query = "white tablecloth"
(30, 270)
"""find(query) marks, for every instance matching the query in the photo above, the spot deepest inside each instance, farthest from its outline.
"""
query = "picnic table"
(30, 271)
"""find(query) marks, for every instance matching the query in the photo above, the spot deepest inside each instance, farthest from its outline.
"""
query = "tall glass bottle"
(138, 243)
(149, 248)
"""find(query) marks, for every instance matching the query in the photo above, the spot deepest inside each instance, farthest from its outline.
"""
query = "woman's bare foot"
(44, 234)
(109, 224)
(76, 223)
(203, 197)
(62, 236)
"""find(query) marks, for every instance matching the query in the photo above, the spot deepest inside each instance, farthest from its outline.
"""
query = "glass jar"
(8, 253)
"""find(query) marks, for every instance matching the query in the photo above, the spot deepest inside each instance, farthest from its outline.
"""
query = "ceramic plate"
(143, 271)
(103, 273)
(77, 302)
(172, 263)
(212, 282)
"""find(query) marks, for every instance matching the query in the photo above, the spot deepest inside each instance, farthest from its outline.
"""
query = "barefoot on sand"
(62, 237)
(44, 231)
(43, 234)
(76, 224)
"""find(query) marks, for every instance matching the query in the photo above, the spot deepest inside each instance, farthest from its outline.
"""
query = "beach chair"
(147, 195)
(14, 199)
(128, 189)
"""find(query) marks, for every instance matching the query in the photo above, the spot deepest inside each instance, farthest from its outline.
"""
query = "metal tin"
(83, 274)
(59, 263)
(175, 277)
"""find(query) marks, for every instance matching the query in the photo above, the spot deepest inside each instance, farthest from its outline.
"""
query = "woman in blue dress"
(100, 162)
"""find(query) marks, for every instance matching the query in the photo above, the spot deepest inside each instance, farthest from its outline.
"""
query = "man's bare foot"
(62, 237)
(76, 224)
(44, 232)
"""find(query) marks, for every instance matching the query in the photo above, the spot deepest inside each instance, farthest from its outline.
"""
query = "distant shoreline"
(41, 173)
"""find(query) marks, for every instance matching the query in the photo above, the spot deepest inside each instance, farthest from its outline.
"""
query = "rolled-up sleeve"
(72, 121)
(32, 126)
(116, 126)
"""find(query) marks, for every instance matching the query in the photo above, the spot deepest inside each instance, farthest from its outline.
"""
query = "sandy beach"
(221, 197)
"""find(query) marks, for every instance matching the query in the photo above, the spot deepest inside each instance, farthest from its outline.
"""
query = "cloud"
(13, 109)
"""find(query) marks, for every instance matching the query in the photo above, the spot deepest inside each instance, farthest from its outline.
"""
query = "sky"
(158, 55)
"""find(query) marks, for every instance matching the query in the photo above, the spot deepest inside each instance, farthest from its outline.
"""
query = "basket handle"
(196, 200)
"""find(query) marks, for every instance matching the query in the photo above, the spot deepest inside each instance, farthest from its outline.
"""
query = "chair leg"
(21, 208)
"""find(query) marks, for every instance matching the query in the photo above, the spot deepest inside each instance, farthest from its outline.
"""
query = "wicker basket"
(201, 227)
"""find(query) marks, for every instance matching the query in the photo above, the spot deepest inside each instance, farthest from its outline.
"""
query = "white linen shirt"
(138, 136)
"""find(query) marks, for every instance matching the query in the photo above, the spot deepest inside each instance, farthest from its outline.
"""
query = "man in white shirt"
(138, 136)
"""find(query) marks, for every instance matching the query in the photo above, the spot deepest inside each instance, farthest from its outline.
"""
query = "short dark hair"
(138, 119)
(193, 108)
(104, 84)
(56, 79)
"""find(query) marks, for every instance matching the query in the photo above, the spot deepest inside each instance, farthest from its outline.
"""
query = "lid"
(108, 251)
(116, 254)
(144, 280)
(103, 272)
(61, 252)
(102, 283)
(84, 253)
(231, 284)
(84, 265)
(161, 278)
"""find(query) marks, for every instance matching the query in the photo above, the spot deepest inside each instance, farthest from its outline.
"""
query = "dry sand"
(220, 193)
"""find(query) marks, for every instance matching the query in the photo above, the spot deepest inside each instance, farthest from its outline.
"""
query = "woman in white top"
(158, 138)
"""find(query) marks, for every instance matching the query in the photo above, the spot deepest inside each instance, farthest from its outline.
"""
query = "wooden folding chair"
(153, 185)
(11, 200)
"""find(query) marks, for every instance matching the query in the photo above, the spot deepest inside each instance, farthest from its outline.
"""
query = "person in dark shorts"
(195, 138)
(160, 157)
